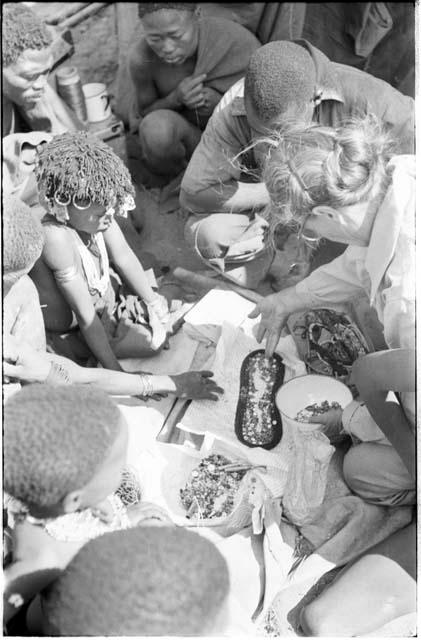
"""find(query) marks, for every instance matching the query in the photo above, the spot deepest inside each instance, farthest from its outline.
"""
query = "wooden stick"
(204, 284)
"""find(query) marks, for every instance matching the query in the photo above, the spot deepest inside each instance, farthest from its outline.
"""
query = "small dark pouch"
(274, 419)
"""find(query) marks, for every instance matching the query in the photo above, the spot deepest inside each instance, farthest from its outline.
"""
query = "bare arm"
(59, 257)
(24, 363)
(146, 93)
(231, 196)
(375, 375)
(127, 264)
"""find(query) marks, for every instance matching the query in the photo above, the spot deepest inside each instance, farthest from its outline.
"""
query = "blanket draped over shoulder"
(224, 51)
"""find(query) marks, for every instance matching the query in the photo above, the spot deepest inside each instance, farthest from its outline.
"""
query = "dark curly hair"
(21, 30)
(78, 163)
(143, 8)
(55, 438)
(279, 75)
(148, 581)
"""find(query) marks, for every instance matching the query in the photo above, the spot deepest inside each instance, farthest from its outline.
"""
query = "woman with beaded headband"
(83, 184)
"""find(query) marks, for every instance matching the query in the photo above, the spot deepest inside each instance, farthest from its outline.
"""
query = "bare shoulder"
(141, 58)
(59, 246)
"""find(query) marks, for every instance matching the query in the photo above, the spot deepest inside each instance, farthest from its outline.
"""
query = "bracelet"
(147, 386)
(57, 375)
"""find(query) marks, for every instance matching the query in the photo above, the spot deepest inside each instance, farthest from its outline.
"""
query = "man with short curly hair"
(64, 450)
(146, 582)
(28, 100)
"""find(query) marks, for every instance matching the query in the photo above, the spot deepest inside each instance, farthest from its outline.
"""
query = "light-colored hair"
(314, 165)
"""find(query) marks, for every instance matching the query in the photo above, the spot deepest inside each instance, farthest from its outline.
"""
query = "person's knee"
(316, 621)
(158, 133)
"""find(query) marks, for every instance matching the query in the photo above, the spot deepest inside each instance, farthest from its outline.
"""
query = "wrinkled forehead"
(33, 61)
(167, 21)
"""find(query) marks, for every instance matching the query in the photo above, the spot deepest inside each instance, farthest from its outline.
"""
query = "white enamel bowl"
(298, 393)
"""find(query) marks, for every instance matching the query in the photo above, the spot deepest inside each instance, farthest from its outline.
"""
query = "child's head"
(26, 51)
(83, 181)
(23, 239)
(64, 448)
(144, 581)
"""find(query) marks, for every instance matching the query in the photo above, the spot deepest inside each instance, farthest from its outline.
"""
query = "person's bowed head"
(153, 581)
(64, 448)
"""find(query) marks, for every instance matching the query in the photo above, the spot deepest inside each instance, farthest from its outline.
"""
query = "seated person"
(375, 589)
(382, 427)
(25, 358)
(64, 449)
(23, 241)
(83, 184)
(150, 582)
(286, 82)
(179, 68)
(28, 101)
(345, 184)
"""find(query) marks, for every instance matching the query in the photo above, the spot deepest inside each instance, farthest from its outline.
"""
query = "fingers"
(255, 312)
(196, 80)
(10, 370)
(272, 341)
(260, 332)
(206, 374)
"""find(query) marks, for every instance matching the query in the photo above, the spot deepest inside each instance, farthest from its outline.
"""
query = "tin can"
(69, 87)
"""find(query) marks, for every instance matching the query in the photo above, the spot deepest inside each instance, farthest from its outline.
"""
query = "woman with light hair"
(344, 184)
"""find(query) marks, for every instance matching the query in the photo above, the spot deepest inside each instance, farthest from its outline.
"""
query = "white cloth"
(385, 269)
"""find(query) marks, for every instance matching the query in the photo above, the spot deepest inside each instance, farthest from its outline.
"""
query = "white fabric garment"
(385, 269)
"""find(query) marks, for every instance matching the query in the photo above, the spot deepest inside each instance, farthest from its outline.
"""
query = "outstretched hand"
(274, 314)
(196, 385)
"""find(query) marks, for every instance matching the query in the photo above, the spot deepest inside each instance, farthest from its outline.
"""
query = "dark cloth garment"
(224, 51)
(346, 91)
(378, 37)
(374, 36)
(267, 20)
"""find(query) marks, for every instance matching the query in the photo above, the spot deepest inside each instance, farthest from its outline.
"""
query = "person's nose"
(168, 47)
(40, 82)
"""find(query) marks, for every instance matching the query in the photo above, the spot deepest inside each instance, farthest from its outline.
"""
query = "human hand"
(196, 385)
(331, 421)
(274, 311)
(160, 306)
(252, 238)
(147, 514)
(22, 362)
(190, 91)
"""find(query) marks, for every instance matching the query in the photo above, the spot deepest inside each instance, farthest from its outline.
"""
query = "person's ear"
(326, 211)
(317, 97)
(72, 501)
